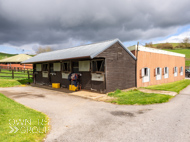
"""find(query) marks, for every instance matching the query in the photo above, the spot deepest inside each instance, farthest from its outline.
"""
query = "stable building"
(104, 66)
(156, 66)
(107, 66)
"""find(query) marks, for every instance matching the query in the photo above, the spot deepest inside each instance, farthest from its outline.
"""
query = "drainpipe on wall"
(136, 64)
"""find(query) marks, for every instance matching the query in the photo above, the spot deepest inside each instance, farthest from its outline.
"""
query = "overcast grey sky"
(28, 24)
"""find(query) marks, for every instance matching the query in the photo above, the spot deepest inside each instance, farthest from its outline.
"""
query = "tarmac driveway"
(77, 119)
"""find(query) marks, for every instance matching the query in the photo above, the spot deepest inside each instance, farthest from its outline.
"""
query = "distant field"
(174, 44)
(5, 55)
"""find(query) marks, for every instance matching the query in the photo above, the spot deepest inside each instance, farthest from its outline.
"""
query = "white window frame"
(158, 76)
(181, 70)
(145, 77)
(166, 74)
(175, 71)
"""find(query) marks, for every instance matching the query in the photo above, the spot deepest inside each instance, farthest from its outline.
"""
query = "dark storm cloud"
(59, 22)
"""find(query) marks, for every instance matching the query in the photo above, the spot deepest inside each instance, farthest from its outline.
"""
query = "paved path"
(76, 119)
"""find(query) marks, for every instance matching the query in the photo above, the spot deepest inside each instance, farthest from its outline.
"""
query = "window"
(175, 71)
(166, 72)
(98, 66)
(66, 67)
(145, 71)
(45, 67)
(158, 73)
(181, 70)
(145, 74)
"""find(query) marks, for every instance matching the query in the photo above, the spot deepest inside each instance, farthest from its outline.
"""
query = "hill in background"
(175, 45)
(5, 55)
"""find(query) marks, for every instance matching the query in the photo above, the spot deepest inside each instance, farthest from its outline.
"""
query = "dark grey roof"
(90, 50)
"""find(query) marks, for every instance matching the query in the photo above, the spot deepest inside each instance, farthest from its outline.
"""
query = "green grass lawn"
(187, 63)
(13, 82)
(21, 124)
(19, 79)
(137, 97)
(174, 86)
(17, 75)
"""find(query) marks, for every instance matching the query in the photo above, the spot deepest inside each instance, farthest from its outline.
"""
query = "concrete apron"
(83, 93)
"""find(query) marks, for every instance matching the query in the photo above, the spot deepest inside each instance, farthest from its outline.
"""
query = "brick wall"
(154, 60)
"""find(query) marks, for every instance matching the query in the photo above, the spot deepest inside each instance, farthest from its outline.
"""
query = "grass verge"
(174, 86)
(26, 124)
(13, 82)
(137, 97)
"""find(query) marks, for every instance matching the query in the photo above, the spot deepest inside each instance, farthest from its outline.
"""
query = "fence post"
(0, 69)
(12, 74)
(28, 75)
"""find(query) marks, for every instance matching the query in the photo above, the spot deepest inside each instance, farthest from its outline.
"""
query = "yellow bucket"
(73, 88)
(55, 85)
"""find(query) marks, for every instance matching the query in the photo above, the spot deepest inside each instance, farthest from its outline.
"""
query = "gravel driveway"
(77, 119)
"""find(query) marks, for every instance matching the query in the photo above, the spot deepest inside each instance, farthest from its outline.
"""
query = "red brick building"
(156, 66)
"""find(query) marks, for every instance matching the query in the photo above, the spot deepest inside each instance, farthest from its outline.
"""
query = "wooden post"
(0, 69)
(12, 74)
(28, 75)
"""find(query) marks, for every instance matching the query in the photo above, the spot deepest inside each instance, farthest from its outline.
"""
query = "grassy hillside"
(173, 44)
(5, 55)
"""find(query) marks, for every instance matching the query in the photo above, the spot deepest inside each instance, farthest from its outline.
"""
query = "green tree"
(165, 46)
(149, 45)
(186, 42)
